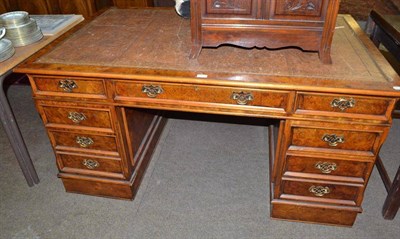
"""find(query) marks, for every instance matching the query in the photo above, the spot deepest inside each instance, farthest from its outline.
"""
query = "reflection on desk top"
(126, 43)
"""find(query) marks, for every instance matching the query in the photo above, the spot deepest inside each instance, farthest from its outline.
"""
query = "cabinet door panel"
(298, 9)
(225, 8)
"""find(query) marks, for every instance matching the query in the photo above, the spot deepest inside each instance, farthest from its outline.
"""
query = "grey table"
(7, 117)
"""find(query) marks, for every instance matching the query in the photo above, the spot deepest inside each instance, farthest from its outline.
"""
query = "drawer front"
(83, 141)
(87, 164)
(334, 139)
(230, 7)
(77, 116)
(332, 167)
(298, 9)
(321, 190)
(315, 213)
(342, 104)
(71, 87)
(225, 95)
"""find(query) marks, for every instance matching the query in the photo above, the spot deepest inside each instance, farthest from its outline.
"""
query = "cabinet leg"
(325, 56)
(195, 51)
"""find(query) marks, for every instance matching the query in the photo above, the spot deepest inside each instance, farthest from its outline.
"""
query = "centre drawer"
(164, 92)
(83, 141)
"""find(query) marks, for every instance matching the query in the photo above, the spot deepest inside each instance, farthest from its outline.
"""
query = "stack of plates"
(21, 30)
(6, 49)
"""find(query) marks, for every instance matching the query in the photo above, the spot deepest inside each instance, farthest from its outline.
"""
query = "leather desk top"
(157, 42)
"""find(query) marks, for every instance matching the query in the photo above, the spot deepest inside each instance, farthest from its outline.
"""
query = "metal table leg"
(14, 135)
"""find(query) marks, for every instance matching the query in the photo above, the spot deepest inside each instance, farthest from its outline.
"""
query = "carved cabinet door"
(298, 9)
(225, 8)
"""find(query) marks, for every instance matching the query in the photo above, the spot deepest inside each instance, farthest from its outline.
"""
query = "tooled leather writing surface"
(159, 39)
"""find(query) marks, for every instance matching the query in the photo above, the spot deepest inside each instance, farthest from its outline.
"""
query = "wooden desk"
(102, 90)
(6, 114)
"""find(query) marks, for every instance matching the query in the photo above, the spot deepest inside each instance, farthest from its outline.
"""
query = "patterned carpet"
(360, 9)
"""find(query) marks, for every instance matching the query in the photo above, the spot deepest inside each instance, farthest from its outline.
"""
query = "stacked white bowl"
(21, 30)
(6, 46)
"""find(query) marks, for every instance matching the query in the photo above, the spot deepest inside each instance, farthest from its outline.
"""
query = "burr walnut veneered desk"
(100, 90)
(308, 24)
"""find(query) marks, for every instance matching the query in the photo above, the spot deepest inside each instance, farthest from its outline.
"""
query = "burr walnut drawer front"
(200, 94)
(343, 105)
(320, 191)
(89, 164)
(77, 116)
(335, 139)
(297, 165)
(70, 87)
(83, 142)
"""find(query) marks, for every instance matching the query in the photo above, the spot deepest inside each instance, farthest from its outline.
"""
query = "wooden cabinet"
(308, 24)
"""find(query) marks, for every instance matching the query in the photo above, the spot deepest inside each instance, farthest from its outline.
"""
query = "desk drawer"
(343, 105)
(83, 142)
(71, 87)
(335, 139)
(76, 116)
(206, 94)
(90, 165)
(320, 191)
(329, 167)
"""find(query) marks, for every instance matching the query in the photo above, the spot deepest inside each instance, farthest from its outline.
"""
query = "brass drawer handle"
(152, 90)
(343, 103)
(319, 191)
(67, 85)
(83, 141)
(326, 167)
(76, 117)
(242, 98)
(91, 163)
(333, 139)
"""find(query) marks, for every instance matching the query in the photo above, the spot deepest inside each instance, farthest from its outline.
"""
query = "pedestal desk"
(102, 89)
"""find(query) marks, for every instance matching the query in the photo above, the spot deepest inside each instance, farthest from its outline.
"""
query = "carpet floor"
(195, 187)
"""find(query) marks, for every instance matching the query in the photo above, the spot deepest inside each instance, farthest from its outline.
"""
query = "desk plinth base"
(314, 213)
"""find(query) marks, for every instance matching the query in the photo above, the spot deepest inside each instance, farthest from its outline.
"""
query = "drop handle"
(343, 104)
(242, 98)
(319, 191)
(67, 85)
(83, 141)
(152, 90)
(325, 167)
(76, 117)
(333, 139)
(91, 163)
